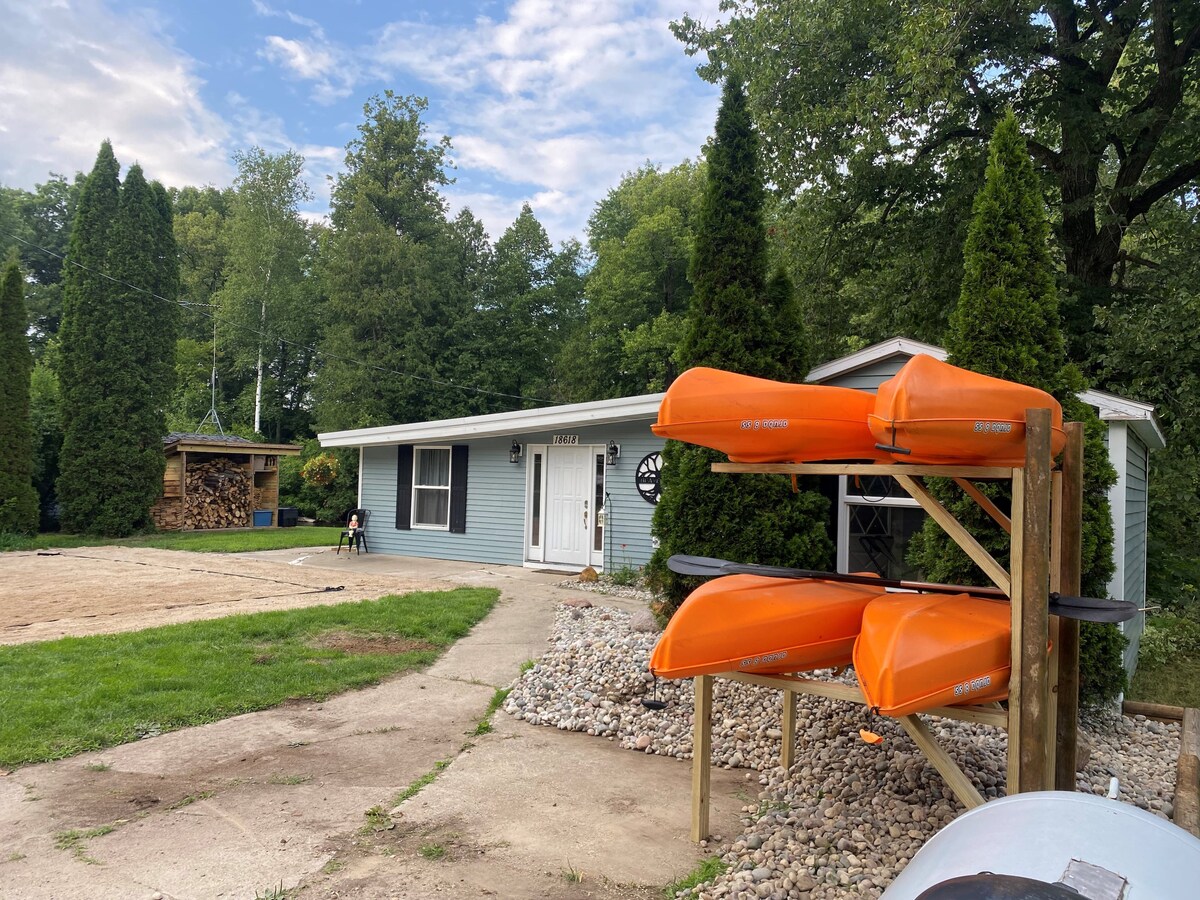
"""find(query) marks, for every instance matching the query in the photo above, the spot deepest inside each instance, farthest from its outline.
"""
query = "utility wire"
(200, 307)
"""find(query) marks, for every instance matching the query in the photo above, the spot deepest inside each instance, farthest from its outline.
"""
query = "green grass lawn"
(237, 541)
(67, 696)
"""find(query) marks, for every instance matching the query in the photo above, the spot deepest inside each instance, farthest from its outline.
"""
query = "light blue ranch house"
(570, 486)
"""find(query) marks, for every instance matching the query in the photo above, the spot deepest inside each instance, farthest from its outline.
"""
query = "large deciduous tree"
(18, 498)
(1006, 325)
(117, 345)
(882, 106)
(266, 292)
(732, 324)
(638, 291)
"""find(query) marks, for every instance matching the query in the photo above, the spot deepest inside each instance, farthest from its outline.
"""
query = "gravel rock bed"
(848, 816)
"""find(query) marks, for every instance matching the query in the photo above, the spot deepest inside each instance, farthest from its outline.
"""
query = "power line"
(315, 351)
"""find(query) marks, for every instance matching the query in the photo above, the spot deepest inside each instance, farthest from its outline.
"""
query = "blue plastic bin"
(262, 518)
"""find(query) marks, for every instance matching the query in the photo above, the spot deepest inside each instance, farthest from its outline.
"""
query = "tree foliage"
(390, 273)
(534, 302)
(733, 324)
(18, 499)
(1150, 351)
(881, 106)
(266, 296)
(638, 290)
(118, 341)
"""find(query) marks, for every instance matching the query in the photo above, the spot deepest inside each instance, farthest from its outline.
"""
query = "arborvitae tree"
(1006, 325)
(82, 339)
(736, 323)
(18, 498)
(117, 336)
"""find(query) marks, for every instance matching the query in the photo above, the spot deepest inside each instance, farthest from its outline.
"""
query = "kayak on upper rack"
(755, 420)
(935, 413)
(930, 412)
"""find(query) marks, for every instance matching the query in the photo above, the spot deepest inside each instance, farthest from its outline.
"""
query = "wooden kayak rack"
(1043, 701)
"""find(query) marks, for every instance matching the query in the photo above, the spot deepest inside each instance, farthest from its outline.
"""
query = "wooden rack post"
(1069, 582)
(1038, 531)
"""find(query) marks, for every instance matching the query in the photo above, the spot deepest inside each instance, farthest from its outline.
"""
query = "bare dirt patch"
(368, 644)
(98, 590)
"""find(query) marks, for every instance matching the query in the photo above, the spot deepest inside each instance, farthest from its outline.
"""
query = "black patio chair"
(355, 538)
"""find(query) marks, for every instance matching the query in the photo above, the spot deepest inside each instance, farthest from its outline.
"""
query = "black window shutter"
(404, 477)
(458, 488)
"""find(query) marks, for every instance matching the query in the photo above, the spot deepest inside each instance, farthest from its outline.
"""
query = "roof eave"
(574, 415)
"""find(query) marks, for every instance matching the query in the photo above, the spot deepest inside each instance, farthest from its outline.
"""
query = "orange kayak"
(920, 651)
(940, 413)
(755, 420)
(751, 623)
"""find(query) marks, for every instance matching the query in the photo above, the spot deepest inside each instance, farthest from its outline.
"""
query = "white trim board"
(883, 350)
(524, 421)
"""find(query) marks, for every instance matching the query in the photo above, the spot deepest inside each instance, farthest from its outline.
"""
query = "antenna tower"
(212, 381)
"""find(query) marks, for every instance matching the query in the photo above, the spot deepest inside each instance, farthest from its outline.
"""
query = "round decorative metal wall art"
(647, 477)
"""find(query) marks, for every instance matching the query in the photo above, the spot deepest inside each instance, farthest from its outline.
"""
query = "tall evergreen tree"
(1007, 325)
(532, 303)
(18, 498)
(82, 337)
(118, 335)
(733, 324)
(392, 270)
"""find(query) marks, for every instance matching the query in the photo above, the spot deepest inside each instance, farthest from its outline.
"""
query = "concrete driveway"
(278, 800)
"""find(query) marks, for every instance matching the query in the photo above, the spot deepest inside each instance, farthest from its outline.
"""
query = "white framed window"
(431, 488)
(876, 520)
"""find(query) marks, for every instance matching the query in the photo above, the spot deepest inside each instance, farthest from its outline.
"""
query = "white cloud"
(560, 97)
(63, 91)
(333, 71)
(303, 58)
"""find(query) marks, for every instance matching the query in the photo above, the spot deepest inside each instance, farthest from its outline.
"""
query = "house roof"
(1112, 408)
(1140, 416)
(869, 355)
(522, 421)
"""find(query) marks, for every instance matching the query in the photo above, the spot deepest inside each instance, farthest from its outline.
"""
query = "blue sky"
(546, 101)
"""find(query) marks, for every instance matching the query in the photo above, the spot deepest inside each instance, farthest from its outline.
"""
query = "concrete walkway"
(279, 799)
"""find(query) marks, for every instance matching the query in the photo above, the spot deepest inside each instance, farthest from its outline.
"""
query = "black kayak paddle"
(1086, 609)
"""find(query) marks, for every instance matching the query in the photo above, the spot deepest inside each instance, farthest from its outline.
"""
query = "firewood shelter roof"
(181, 442)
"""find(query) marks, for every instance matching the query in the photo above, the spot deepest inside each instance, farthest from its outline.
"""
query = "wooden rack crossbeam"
(1042, 712)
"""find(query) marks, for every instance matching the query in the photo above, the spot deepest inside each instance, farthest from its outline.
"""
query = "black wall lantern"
(514, 453)
(613, 453)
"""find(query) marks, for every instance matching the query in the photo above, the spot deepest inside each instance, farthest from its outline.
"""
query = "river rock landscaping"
(848, 816)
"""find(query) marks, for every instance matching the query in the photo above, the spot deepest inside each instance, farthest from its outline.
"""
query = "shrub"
(322, 484)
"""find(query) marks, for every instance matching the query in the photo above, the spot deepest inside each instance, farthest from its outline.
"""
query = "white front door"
(569, 514)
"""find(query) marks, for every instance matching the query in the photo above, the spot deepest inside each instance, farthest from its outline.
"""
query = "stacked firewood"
(167, 513)
(217, 495)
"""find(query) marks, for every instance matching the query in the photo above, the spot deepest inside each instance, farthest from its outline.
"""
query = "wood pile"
(217, 495)
(167, 514)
